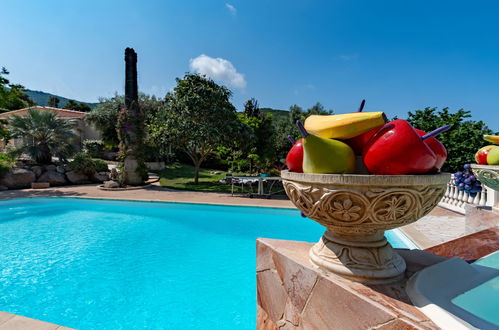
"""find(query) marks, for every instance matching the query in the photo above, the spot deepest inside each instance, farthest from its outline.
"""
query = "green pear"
(492, 156)
(322, 155)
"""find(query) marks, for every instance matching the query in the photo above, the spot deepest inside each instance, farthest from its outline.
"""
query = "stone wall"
(23, 175)
(294, 294)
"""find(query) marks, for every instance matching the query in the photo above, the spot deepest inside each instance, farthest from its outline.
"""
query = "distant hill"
(276, 113)
(42, 98)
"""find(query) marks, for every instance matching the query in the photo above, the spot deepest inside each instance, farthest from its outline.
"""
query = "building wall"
(83, 130)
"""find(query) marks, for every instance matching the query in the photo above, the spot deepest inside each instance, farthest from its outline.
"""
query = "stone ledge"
(10, 321)
(295, 294)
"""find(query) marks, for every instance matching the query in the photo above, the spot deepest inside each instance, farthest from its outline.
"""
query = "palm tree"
(43, 135)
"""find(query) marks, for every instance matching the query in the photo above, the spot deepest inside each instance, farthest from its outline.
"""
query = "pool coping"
(14, 321)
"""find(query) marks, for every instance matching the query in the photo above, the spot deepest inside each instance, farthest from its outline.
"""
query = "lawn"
(181, 177)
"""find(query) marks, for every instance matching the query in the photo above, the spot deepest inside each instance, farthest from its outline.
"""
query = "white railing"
(455, 199)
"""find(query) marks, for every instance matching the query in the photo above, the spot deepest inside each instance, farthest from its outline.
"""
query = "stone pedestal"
(356, 210)
(293, 293)
(132, 177)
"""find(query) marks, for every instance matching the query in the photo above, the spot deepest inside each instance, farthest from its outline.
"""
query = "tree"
(251, 108)
(258, 146)
(77, 106)
(105, 115)
(43, 135)
(53, 102)
(12, 96)
(462, 141)
(197, 118)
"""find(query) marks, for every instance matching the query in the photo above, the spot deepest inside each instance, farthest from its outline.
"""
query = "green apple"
(493, 156)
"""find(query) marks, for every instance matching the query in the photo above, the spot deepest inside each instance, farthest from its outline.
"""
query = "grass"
(181, 177)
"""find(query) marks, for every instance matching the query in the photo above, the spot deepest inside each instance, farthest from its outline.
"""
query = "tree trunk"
(197, 156)
(196, 173)
(45, 157)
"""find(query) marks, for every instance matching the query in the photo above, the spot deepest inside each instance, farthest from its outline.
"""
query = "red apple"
(438, 148)
(481, 155)
(397, 149)
(357, 143)
(294, 159)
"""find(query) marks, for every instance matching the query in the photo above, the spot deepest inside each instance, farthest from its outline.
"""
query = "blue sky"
(398, 55)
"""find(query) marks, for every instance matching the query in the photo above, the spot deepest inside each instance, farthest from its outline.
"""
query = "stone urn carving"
(487, 174)
(356, 210)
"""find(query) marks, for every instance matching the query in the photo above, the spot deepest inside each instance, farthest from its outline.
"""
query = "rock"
(2, 188)
(40, 185)
(60, 169)
(53, 177)
(77, 178)
(101, 176)
(37, 170)
(49, 168)
(18, 178)
(111, 184)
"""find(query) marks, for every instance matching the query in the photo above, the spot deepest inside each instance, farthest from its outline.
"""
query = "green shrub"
(93, 147)
(100, 165)
(83, 163)
(6, 163)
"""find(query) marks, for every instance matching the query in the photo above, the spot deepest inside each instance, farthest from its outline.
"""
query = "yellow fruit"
(344, 126)
(492, 138)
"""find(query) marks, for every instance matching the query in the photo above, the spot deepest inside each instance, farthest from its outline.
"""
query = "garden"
(193, 138)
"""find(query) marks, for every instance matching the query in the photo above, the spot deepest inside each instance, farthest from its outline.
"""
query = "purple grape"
(466, 166)
(467, 187)
(458, 174)
(473, 194)
(467, 181)
(472, 178)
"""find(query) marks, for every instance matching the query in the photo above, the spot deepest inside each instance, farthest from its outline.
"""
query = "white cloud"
(231, 8)
(218, 69)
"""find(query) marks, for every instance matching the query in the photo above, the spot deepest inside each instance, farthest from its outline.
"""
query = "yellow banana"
(344, 126)
(492, 138)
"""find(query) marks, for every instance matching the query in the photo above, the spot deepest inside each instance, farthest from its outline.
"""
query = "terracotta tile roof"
(64, 113)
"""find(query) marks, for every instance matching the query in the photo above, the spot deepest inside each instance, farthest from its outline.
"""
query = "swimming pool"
(101, 264)
(483, 300)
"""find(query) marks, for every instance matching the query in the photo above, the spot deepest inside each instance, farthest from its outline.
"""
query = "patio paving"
(151, 193)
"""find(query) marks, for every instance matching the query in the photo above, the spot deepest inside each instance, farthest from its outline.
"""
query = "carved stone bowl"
(356, 210)
(487, 174)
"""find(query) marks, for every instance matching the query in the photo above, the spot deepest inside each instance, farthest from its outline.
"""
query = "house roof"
(62, 113)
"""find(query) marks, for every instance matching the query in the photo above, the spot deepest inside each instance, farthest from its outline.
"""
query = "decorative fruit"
(325, 155)
(397, 149)
(344, 126)
(493, 156)
(492, 138)
(360, 141)
(481, 155)
(437, 147)
(467, 182)
(294, 159)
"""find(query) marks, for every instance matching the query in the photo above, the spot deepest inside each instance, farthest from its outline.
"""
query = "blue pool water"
(483, 301)
(96, 264)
